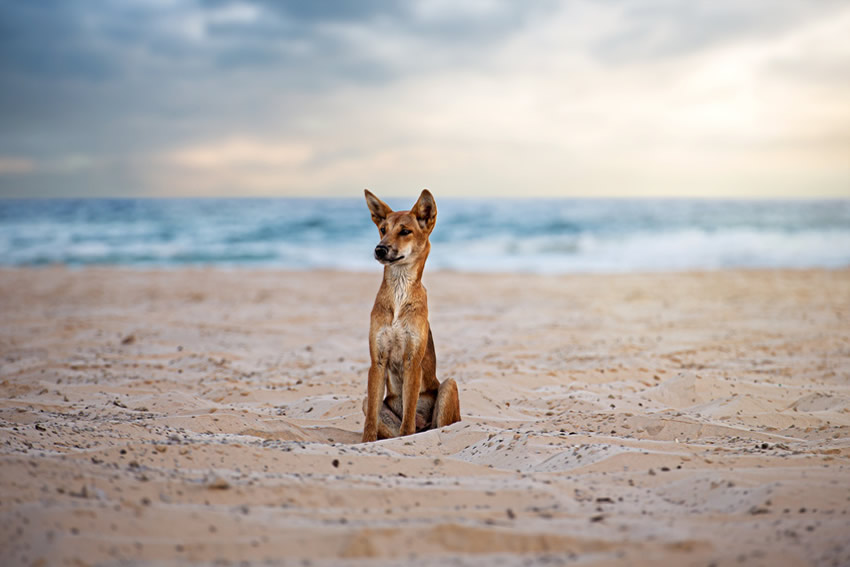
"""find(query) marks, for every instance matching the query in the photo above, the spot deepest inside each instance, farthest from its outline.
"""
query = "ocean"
(485, 235)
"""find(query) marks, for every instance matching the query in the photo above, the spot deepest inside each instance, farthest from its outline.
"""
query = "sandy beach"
(213, 417)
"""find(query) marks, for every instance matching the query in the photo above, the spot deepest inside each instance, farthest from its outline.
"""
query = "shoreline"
(202, 415)
(428, 270)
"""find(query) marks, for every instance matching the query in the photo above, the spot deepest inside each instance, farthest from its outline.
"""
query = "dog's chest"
(398, 337)
(394, 339)
(395, 334)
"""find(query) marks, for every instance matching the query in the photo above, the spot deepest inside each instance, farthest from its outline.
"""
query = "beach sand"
(213, 417)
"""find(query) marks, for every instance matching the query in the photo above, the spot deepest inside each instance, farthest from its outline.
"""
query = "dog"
(400, 343)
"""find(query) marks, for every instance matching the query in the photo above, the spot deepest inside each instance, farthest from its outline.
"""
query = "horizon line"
(445, 197)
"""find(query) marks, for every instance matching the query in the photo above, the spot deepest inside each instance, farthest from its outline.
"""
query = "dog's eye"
(404, 232)
(383, 230)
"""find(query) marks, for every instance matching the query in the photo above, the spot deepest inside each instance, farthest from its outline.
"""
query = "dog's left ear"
(425, 211)
(379, 209)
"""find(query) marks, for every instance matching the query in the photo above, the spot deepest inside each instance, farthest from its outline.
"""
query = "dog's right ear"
(379, 209)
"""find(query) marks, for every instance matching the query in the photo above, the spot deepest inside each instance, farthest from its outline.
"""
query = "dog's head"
(404, 234)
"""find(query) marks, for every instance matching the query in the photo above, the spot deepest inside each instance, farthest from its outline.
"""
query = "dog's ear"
(425, 211)
(379, 209)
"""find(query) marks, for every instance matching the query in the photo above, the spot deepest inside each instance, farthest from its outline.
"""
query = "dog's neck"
(402, 280)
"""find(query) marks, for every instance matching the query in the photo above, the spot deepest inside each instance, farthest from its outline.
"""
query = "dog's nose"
(381, 251)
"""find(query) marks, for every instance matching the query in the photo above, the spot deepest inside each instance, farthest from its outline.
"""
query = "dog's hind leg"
(447, 406)
(388, 422)
(425, 410)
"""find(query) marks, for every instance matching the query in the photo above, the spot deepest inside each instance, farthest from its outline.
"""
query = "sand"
(213, 417)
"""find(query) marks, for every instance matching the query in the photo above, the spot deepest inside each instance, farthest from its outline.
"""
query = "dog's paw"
(422, 424)
(369, 436)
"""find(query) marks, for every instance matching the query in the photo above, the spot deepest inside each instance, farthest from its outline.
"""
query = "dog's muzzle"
(382, 255)
(381, 252)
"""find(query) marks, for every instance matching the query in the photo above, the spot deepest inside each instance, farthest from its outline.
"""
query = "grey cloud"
(112, 80)
(658, 29)
(319, 11)
(27, 52)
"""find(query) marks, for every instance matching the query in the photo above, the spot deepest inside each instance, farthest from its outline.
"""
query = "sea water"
(489, 235)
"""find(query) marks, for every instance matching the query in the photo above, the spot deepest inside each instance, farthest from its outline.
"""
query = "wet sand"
(213, 417)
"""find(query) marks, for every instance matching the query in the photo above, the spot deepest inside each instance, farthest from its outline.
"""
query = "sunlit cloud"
(16, 165)
(241, 152)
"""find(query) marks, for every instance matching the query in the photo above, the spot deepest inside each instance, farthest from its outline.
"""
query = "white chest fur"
(397, 340)
(400, 283)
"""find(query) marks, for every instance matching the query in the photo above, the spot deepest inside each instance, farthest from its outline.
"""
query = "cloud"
(480, 97)
(16, 165)
(667, 28)
(240, 153)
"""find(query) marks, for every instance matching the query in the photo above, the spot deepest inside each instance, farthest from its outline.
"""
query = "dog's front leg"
(410, 392)
(374, 398)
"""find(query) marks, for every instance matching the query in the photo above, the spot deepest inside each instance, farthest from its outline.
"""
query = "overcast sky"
(469, 98)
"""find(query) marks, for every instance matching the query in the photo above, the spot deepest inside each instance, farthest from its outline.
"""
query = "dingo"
(400, 341)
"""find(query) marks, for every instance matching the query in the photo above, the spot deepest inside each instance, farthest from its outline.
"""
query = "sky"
(560, 98)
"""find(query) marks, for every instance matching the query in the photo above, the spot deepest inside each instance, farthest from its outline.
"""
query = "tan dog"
(400, 342)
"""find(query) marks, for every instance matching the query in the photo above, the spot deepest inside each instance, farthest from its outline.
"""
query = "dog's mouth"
(389, 260)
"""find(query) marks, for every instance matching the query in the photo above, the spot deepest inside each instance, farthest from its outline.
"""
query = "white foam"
(645, 251)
